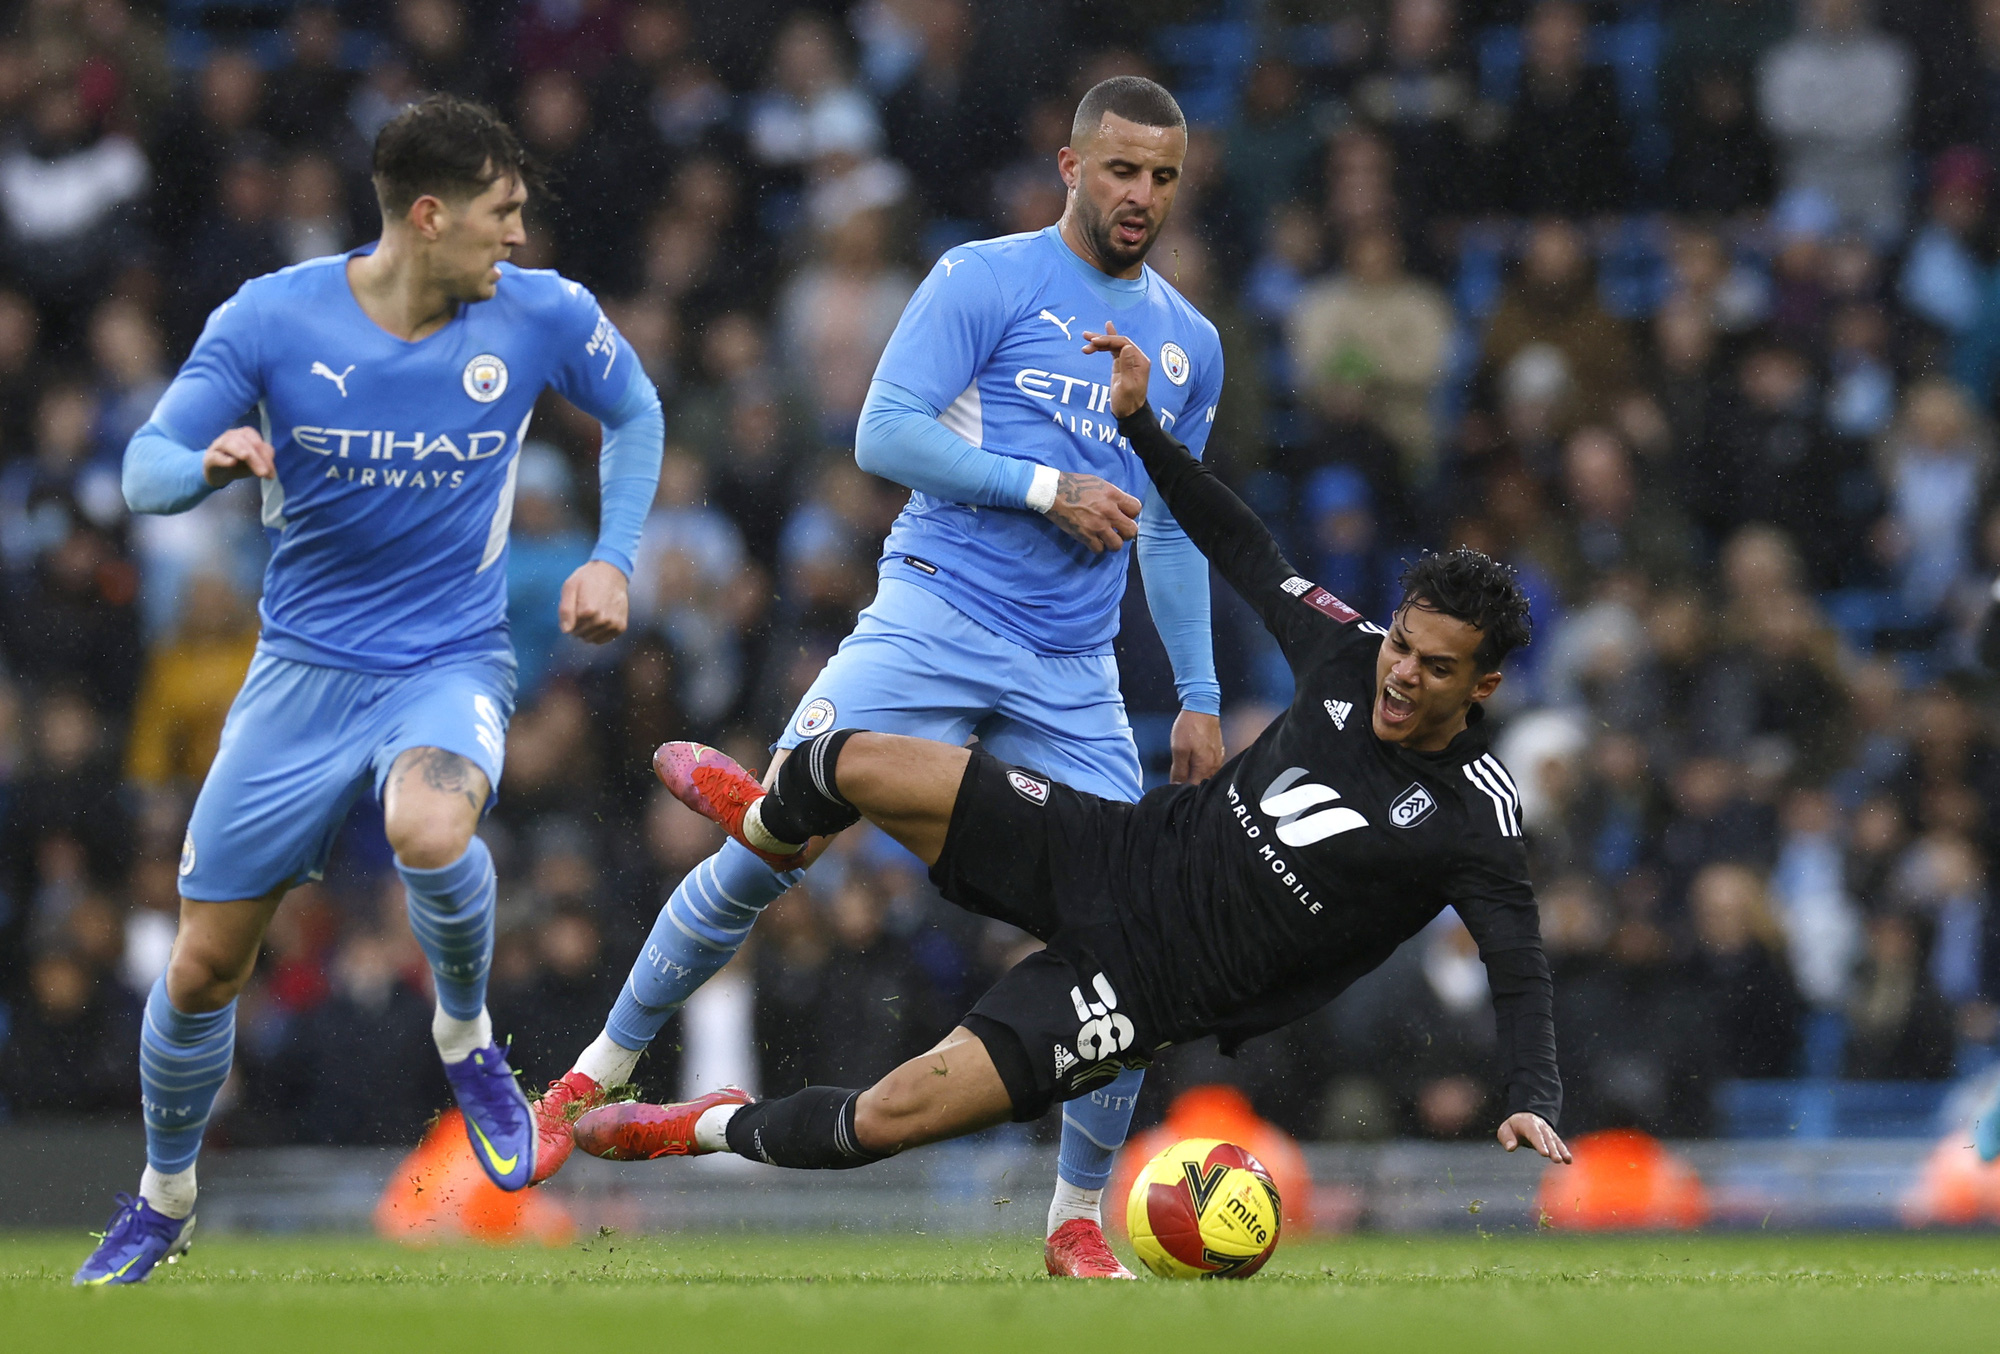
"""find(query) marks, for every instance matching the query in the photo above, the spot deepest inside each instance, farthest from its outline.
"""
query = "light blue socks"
(451, 911)
(183, 1061)
(1094, 1128)
(697, 932)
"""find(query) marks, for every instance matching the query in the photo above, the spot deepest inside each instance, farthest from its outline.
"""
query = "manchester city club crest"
(1174, 362)
(486, 378)
(815, 717)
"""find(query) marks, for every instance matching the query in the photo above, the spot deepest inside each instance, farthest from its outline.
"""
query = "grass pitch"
(810, 1295)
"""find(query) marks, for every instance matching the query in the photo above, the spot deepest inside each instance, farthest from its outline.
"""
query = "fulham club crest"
(486, 378)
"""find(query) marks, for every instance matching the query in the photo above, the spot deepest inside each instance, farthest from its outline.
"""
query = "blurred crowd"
(1690, 309)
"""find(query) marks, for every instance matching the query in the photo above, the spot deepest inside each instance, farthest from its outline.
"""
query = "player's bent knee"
(201, 981)
(428, 838)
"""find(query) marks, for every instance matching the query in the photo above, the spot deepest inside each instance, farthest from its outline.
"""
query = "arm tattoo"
(1069, 488)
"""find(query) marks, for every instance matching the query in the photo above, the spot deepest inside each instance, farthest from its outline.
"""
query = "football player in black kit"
(1230, 907)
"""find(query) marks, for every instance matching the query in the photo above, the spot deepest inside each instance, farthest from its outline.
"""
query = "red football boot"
(567, 1097)
(714, 786)
(1077, 1250)
(636, 1132)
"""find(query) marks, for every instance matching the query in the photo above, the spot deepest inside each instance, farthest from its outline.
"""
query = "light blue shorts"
(301, 744)
(917, 665)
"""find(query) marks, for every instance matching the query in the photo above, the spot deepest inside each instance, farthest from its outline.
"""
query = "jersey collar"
(1120, 293)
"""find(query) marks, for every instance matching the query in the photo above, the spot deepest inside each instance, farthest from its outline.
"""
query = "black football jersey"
(1316, 851)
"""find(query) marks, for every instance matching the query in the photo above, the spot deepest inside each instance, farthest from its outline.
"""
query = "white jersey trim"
(272, 489)
(964, 416)
(1493, 782)
(503, 511)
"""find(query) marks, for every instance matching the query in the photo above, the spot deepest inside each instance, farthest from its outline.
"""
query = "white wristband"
(1042, 491)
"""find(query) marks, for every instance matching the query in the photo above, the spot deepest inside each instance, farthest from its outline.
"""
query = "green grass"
(807, 1295)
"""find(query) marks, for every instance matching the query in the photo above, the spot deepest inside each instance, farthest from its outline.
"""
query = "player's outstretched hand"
(237, 455)
(595, 604)
(1533, 1130)
(1096, 512)
(1130, 369)
(1197, 747)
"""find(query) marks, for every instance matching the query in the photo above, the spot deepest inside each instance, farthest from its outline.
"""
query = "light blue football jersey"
(395, 460)
(993, 339)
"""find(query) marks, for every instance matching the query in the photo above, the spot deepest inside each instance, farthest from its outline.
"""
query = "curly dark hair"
(1476, 589)
(447, 147)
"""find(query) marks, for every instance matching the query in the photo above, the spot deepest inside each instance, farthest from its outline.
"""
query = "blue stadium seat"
(1815, 1109)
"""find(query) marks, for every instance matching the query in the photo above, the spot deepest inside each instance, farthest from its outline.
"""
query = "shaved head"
(1132, 97)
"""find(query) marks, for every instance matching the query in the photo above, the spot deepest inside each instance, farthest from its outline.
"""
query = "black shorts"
(1041, 856)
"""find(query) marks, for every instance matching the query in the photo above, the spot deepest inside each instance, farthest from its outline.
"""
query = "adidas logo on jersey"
(1064, 1060)
(1338, 711)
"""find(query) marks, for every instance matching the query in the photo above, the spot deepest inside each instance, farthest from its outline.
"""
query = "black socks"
(805, 802)
(810, 1130)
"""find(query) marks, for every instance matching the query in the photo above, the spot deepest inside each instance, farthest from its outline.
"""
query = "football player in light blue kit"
(391, 387)
(1001, 580)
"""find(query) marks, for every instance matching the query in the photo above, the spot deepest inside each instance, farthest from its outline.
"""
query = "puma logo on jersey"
(338, 378)
(1063, 325)
(949, 264)
(1338, 711)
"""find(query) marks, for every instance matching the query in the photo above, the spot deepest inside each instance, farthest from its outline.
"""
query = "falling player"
(1001, 581)
(392, 388)
(1226, 908)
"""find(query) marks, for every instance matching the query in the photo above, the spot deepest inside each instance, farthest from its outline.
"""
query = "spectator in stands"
(1268, 154)
(789, 962)
(941, 119)
(1553, 306)
(546, 547)
(1611, 528)
(188, 684)
(440, 57)
(223, 106)
(1566, 141)
(313, 218)
(1837, 97)
(1749, 999)
(65, 182)
(1374, 337)
(836, 315)
(1943, 278)
(1721, 162)
(68, 1049)
(1424, 100)
(876, 1007)
(308, 104)
(237, 236)
(810, 104)
(1898, 1025)
(1822, 927)
(361, 1058)
(1935, 467)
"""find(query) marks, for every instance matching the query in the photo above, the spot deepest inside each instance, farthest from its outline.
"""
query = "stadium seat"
(1815, 1110)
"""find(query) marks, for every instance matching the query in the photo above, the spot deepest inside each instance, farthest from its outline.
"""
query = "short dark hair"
(1476, 589)
(1132, 97)
(446, 146)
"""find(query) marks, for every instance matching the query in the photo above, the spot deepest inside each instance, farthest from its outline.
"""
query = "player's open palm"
(237, 455)
(595, 603)
(1533, 1130)
(1131, 369)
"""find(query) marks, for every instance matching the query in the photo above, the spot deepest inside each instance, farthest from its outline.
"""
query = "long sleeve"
(1301, 616)
(161, 474)
(628, 472)
(1495, 900)
(1176, 577)
(900, 439)
(1525, 1026)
